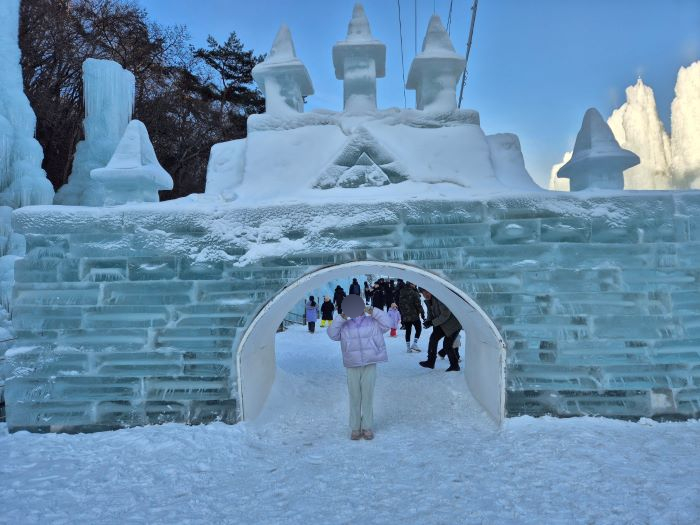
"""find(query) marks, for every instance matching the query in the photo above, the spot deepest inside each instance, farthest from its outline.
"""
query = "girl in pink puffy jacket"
(360, 331)
(395, 317)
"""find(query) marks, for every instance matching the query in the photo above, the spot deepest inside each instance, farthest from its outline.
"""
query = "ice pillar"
(435, 71)
(108, 92)
(359, 60)
(282, 77)
(22, 181)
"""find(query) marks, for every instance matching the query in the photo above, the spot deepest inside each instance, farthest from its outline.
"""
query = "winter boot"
(442, 353)
(454, 362)
(408, 347)
(414, 346)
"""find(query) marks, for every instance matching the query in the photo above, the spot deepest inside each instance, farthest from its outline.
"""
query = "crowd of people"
(360, 327)
(402, 302)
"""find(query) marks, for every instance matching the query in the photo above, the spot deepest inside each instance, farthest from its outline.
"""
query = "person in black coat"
(378, 297)
(354, 287)
(368, 293)
(327, 310)
(338, 297)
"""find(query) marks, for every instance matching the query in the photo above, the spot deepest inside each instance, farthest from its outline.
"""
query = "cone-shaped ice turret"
(598, 160)
(282, 77)
(358, 61)
(133, 174)
(435, 71)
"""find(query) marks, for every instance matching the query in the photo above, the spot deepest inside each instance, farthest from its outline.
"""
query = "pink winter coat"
(361, 339)
(395, 317)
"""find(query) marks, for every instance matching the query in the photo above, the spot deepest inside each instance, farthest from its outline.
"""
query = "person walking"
(354, 287)
(362, 345)
(338, 296)
(378, 297)
(368, 293)
(311, 314)
(411, 313)
(395, 317)
(327, 310)
(445, 325)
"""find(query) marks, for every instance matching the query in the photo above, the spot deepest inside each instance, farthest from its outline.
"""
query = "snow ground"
(437, 458)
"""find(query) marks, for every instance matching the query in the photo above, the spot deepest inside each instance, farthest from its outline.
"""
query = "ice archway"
(485, 349)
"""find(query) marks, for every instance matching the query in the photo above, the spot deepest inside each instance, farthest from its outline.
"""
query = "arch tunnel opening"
(484, 354)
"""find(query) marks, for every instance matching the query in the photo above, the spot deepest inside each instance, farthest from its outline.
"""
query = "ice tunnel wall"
(132, 316)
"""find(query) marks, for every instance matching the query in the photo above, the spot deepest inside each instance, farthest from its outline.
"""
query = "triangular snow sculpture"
(598, 160)
(282, 77)
(359, 60)
(133, 174)
(435, 70)
(362, 154)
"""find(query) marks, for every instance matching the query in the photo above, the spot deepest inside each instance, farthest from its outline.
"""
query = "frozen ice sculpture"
(22, 181)
(435, 71)
(282, 77)
(598, 160)
(359, 60)
(133, 174)
(108, 91)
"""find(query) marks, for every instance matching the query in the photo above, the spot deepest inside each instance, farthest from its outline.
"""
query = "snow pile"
(638, 128)
(133, 174)
(295, 463)
(359, 60)
(108, 91)
(685, 122)
(435, 70)
(597, 161)
(282, 77)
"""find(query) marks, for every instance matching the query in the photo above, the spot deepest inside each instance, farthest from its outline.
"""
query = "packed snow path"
(436, 458)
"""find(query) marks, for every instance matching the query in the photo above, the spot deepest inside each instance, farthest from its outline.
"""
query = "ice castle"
(132, 312)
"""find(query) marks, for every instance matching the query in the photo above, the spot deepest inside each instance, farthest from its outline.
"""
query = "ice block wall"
(133, 316)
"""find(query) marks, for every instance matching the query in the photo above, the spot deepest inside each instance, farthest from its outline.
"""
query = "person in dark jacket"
(444, 324)
(397, 294)
(378, 297)
(387, 293)
(368, 293)
(311, 314)
(412, 312)
(354, 287)
(327, 310)
(338, 296)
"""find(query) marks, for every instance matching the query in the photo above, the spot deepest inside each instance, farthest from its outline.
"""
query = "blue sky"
(535, 66)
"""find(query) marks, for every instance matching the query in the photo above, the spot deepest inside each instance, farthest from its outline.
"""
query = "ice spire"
(638, 128)
(598, 160)
(282, 77)
(22, 181)
(359, 60)
(685, 125)
(435, 70)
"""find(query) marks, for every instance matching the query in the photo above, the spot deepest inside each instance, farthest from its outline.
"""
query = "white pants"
(361, 389)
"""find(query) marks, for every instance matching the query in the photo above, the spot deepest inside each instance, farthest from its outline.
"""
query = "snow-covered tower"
(598, 160)
(108, 91)
(435, 70)
(282, 77)
(359, 60)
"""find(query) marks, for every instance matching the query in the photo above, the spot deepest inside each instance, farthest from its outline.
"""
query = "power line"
(415, 27)
(469, 47)
(449, 18)
(403, 69)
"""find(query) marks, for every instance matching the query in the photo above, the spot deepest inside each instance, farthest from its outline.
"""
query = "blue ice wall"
(133, 316)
